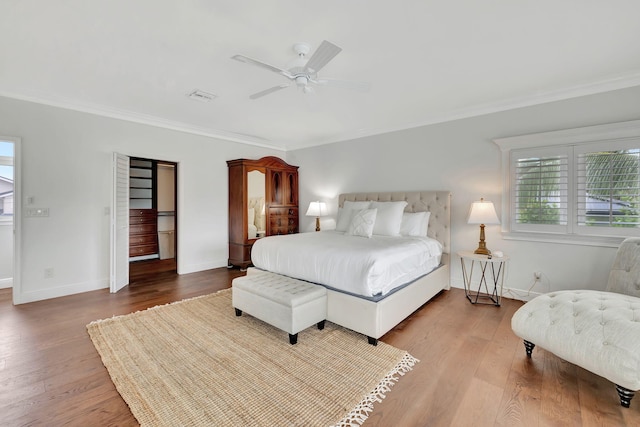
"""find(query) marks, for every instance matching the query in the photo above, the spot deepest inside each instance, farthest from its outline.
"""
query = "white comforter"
(354, 264)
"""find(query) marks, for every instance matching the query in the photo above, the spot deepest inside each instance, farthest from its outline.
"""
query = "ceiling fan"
(303, 71)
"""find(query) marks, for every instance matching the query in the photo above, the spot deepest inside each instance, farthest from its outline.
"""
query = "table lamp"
(482, 213)
(317, 209)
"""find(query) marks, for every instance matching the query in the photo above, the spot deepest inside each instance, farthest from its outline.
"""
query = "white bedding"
(364, 266)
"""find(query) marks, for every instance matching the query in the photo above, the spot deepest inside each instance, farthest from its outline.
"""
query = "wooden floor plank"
(560, 388)
(594, 410)
(479, 405)
(520, 404)
(472, 369)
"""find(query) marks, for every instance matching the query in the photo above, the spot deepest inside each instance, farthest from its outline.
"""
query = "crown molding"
(607, 85)
(146, 119)
(624, 81)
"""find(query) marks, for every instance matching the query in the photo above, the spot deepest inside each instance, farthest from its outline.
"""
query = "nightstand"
(490, 274)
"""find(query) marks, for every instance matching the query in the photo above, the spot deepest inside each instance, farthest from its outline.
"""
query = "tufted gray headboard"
(436, 202)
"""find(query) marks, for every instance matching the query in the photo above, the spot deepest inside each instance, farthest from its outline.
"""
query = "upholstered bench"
(286, 303)
(596, 330)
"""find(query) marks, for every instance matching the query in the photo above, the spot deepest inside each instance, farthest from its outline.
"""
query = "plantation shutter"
(608, 189)
(540, 191)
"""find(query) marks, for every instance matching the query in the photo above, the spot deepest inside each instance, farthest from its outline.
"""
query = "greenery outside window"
(574, 186)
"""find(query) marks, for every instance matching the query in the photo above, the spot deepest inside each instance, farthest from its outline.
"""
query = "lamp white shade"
(317, 209)
(483, 212)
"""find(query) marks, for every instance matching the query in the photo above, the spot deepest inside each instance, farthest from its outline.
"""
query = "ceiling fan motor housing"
(302, 81)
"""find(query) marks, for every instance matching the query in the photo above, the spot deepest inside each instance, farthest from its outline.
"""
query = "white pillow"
(345, 213)
(425, 224)
(414, 223)
(389, 217)
(251, 216)
(362, 222)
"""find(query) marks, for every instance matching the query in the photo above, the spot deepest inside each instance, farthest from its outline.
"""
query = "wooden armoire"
(265, 190)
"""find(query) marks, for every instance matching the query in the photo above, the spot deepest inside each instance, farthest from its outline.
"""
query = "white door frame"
(17, 217)
(113, 246)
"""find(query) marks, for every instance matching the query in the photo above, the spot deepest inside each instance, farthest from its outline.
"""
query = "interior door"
(119, 276)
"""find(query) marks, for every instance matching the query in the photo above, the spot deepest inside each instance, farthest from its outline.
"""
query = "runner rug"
(194, 362)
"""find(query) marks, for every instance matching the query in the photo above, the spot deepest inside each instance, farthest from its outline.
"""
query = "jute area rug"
(195, 363)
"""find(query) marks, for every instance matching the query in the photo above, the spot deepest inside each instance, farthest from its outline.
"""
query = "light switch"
(37, 212)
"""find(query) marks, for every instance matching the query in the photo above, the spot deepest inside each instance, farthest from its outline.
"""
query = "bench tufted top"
(599, 331)
(281, 289)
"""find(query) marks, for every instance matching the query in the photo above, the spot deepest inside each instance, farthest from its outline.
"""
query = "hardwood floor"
(472, 370)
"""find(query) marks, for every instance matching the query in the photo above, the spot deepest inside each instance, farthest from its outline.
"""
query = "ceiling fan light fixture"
(303, 70)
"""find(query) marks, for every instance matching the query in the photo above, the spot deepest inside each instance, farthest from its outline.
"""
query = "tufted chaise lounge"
(596, 330)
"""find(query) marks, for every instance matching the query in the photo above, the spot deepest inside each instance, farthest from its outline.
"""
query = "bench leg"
(625, 395)
(372, 341)
(238, 312)
(528, 346)
(321, 325)
(293, 338)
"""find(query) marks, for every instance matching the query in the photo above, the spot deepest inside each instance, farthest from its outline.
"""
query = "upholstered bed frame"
(374, 319)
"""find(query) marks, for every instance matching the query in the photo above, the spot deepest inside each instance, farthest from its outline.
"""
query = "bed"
(374, 302)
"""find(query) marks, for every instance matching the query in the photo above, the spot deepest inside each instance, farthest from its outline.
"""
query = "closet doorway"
(152, 218)
(144, 226)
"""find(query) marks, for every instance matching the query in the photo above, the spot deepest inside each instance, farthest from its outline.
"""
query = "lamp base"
(482, 251)
(482, 246)
(317, 223)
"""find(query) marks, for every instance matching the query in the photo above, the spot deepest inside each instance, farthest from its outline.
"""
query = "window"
(574, 186)
(540, 197)
(608, 196)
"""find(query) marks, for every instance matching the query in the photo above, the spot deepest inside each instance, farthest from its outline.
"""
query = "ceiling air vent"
(202, 96)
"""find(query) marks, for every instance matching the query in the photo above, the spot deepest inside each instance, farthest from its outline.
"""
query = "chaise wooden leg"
(293, 338)
(528, 346)
(321, 324)
(238, 312)
(372, 341)
(625, 395)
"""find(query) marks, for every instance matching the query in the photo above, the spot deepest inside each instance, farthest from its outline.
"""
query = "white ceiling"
(426, 61)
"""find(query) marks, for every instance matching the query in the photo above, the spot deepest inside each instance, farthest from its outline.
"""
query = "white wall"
(66, 164)
(66, 167)
(460, 156)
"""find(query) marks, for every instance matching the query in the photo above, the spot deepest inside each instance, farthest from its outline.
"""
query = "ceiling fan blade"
(268, 91)
(261, 64)
(359, 86)
(321, 57)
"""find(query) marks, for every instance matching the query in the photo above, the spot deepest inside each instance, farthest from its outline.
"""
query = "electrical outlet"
(537, 275)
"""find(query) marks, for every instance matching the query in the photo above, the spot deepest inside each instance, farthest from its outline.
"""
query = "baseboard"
(519, 294)
(511, 293)
(6, 283)
(194, 268)
(60, 291)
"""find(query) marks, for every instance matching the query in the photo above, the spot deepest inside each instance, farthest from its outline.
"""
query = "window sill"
(566, 239)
